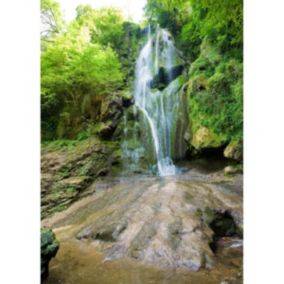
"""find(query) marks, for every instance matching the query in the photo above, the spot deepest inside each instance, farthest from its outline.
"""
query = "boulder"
(49, 247)
(234, 150)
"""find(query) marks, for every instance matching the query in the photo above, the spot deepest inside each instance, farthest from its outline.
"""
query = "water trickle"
(159, 100)
(131, 153)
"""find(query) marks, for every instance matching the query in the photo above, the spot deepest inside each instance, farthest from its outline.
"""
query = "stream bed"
(185, 228)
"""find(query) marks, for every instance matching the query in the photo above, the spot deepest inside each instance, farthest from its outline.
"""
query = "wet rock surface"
(168, 223)
(162, 79)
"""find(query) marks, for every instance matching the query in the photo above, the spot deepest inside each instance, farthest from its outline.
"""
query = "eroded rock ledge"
(169, 222)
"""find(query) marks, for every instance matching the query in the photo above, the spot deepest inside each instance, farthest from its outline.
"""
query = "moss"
(215, 98)
(71, 189)
(199, 83)
(234, 150)
(208, 215)
(205, 138)
(57, 144)
(49, 247)
(210, 52)
(198, 213)
(63, 174)
(233, 169)
(70, 170)
(188, 197)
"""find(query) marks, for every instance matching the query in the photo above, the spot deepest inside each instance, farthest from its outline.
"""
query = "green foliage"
(219, 21)
(171, 14)
(105, 25)
(86, 61)
(108, 28)
(60, 144)
(210, 34)
(128, 50)
(94, 56)
(215, 95)
(75, 75)
(192, 20)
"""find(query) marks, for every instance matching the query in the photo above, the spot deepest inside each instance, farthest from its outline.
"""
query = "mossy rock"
(111, 107)
(49, 247)
(105, 130)
(205, 138)
(234, 150)
(164, 76)
(76, 182)
(214, 93)
(127, 98)
(197, 84)
(233, 169)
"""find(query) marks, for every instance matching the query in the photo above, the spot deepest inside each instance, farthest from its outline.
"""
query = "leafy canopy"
(78, 68)
(192, 20)
(105, 24)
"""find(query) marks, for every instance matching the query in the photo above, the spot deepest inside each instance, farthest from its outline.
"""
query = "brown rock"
(234, 150)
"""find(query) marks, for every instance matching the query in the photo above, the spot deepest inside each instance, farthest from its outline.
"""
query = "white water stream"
(157, 107)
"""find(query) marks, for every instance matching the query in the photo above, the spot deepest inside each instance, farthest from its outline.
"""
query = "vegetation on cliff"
(87, 69)
(210, 35)
(104, 117)
(81, 64)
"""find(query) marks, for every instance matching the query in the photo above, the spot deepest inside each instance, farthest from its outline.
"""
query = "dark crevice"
(223, 225)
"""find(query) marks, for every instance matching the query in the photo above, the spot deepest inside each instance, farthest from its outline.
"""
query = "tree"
(105, 24)
(51, 18)
(191, 21)
(76, 74)
(171, 14)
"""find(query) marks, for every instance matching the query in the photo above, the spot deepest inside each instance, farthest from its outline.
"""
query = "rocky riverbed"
(180, 229)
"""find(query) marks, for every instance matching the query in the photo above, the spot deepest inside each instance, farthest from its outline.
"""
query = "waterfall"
(159, 100)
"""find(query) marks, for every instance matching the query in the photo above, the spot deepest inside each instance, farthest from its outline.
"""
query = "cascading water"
(159, 100)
